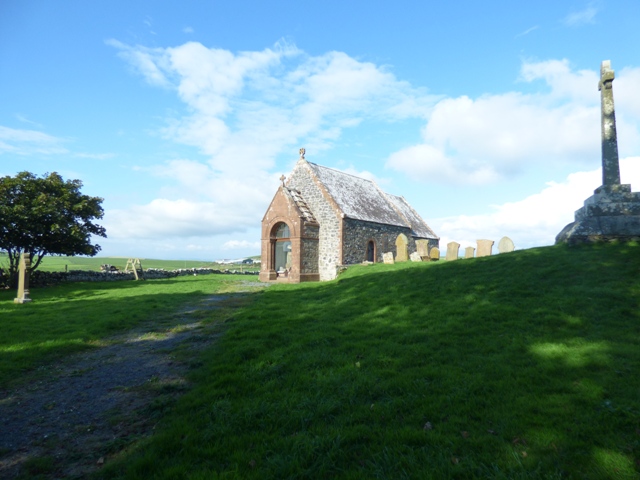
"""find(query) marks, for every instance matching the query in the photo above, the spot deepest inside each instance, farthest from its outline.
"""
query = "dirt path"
(94, 404)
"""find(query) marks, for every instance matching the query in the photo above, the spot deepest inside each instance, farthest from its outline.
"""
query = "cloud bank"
(243, 111)
(494, 137)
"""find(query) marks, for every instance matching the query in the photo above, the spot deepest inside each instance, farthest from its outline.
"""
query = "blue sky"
(485, 116)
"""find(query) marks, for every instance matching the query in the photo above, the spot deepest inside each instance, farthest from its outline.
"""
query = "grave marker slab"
(484, 248)
(388, 258)
(469, 252)
(415, 257)
(505, 245)
(422, 246)
(434, 254)
(402, 254)
(452, 250)
(23, 279)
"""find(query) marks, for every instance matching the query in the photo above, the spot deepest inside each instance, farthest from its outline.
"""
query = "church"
(321, 219)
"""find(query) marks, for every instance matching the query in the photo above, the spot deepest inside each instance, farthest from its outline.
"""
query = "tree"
(46, 216)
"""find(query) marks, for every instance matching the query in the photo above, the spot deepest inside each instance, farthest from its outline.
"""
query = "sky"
(182, 116)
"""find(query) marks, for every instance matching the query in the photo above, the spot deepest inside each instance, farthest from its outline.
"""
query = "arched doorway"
(282, 254)
(371, 251)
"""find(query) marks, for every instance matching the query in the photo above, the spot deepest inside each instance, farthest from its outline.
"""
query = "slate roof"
(418, 225)
(362, 199)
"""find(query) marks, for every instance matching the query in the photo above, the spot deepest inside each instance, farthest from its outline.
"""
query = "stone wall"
(309, 250)
(329, 242)
(42, 278)
(357, 234)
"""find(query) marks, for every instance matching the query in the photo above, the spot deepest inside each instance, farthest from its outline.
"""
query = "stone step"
(608, 209)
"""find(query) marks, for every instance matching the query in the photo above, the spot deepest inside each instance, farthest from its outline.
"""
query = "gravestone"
(23, 279)
(422, 247)
(484, 248)
(402, 255)
(613, 211)
(388, 258)
(452, 250)
(434, 254)
(468, 252)
(415, 257)
(505, 245)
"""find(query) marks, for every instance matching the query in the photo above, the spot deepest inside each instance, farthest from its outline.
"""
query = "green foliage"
(521, 365)
(46, 215)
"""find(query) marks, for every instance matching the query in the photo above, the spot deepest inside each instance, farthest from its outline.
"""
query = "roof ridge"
(344, 173)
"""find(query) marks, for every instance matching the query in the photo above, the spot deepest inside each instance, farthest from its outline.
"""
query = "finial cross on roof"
(302, 152)
(282, 179)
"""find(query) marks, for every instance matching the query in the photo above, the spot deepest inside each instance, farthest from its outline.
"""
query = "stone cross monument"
(610, 163)
(23, 279)
(613, 212)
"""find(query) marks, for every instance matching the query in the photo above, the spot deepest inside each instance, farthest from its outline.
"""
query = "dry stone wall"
(42, 278)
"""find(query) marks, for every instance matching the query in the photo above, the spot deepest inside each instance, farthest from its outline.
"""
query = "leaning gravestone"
(468, 252)
(415, 257)
(452, 250)
(484, 248)
(23, 279)
(434, 254)
(388, 257)
(505, 245)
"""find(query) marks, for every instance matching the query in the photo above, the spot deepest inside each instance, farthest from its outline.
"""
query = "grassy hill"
(524, 365)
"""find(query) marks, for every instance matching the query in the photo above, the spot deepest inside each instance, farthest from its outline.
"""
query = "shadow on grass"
(522, 365)
(78, 316)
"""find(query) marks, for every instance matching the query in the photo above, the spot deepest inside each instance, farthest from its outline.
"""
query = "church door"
(371, 252)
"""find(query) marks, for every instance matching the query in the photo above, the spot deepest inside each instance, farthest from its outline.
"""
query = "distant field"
(59, 264)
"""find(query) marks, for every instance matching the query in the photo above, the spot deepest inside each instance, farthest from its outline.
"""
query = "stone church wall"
(357, 234)
(329, 241)
(309, 249)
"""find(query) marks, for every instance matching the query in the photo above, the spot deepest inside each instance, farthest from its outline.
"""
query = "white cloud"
(188, 30)
(29, 142)
(246, 108)
(493, 137)
(582, 17)
(242, 110)
(174, 219)
(240, 245)
(537, 219)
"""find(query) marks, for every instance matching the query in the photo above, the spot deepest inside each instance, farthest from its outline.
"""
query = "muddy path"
(72, 417)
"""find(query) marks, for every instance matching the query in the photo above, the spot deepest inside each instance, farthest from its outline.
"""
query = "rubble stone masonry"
(326, 215)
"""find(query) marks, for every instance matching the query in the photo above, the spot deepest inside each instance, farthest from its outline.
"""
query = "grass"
(60, 263)
(523, 366)
(516, 366)
(78, 316)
